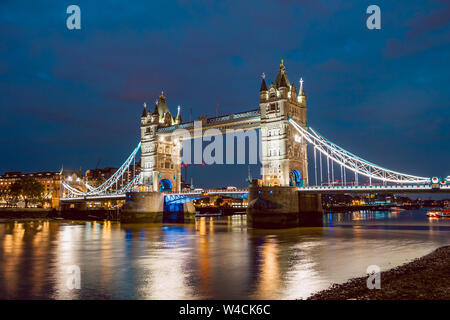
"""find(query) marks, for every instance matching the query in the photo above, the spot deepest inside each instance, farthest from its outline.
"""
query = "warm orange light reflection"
(269, 279)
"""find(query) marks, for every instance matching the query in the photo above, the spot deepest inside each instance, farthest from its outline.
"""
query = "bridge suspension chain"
(111, 185)
(354, 163)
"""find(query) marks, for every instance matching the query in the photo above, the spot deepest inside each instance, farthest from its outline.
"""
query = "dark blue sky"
(74, 97)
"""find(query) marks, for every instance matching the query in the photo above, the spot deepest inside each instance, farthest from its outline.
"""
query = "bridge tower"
(284, 152)
(160, 156)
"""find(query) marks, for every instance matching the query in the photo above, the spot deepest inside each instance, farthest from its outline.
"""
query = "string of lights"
(352, 162)
(111, 184)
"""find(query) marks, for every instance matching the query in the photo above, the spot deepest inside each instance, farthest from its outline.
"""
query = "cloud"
(425, 32)
(436, 20)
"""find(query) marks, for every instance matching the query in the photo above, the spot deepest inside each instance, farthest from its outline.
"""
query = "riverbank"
(72, 214)
(94, 214)
(425, 278)
(348, 208)
(25, 213)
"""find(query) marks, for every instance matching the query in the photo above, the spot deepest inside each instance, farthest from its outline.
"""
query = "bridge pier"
(150, 207)
(78, 205)
(310, 209)
(283, 207)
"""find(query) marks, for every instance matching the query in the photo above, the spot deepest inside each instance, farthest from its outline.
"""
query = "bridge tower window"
(273, 107)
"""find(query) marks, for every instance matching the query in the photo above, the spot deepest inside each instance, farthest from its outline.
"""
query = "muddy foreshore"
(425, 278)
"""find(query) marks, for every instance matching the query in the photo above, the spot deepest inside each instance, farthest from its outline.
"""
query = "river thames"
(213, 258)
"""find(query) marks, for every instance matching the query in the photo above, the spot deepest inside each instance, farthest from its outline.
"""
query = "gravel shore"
(426, 278)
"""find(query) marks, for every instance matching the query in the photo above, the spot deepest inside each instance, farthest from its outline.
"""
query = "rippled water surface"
(218, 258)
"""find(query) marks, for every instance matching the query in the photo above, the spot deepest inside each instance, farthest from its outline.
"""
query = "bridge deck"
(419, 188)
(238, 121)
(192, 194)
(425, 188)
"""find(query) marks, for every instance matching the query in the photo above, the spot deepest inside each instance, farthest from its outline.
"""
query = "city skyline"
(74, 97)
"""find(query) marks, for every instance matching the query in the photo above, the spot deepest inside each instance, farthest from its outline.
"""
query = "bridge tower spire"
(284, 153)
(144, 112)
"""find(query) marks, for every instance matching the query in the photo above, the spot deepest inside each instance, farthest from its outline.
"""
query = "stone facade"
(283, 149)
(160, 156)
(280, 206)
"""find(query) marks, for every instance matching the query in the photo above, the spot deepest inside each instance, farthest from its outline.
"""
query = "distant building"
(95, 177)
(46, 178)
(51, 181)
(73, 178)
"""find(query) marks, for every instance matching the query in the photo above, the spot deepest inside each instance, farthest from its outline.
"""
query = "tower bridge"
(285, 138)
(281, 153)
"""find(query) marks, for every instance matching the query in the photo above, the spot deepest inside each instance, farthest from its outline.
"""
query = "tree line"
(27, 188)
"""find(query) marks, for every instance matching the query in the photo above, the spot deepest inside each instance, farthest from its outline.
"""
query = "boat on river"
(439, 213)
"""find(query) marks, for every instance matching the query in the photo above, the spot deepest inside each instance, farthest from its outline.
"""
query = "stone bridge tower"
(160, 156)
(284, 152)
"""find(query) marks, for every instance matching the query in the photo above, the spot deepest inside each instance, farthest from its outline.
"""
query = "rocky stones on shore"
(426, 278)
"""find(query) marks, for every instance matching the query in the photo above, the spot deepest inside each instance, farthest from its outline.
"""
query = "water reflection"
(401, 219)
(269, 280)
(218, 258)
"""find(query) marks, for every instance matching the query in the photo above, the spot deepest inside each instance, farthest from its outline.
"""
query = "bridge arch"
(296, 179)
(165, 185)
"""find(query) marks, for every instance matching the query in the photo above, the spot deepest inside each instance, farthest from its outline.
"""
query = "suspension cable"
(320, 159)
(109, 183)
(315, 166)
(332, 171)
(328, 170)
(355, 163)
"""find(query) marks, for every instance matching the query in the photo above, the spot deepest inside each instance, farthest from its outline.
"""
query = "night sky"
(75, 97)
